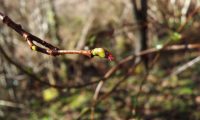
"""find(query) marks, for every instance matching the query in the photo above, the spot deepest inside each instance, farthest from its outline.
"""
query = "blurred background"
(159, 86)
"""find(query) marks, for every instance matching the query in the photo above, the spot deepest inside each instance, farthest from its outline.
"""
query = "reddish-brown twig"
(46, 48)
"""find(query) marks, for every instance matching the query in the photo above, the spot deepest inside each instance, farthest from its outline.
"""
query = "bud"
(103, 53)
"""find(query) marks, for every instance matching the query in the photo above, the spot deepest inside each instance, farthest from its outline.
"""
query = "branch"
(48, 48)
(185, 66)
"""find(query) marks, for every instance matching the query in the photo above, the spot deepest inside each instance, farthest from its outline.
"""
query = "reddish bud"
(109, 56)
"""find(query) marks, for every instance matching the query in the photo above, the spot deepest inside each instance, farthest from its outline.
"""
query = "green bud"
(34, 48)
(99, 52)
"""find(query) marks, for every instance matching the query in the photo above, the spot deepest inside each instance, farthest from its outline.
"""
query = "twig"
(129, 72)
(185, 66)
(47, 47)
(109, 73)
(96, 101)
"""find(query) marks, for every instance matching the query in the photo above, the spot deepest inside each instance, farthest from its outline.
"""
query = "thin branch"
(170, 48)
(109, 73)
(185, 66)
(96, 101)
(52, 50)
(47, 47)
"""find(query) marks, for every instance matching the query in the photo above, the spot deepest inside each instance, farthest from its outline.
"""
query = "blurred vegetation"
(160, 92)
